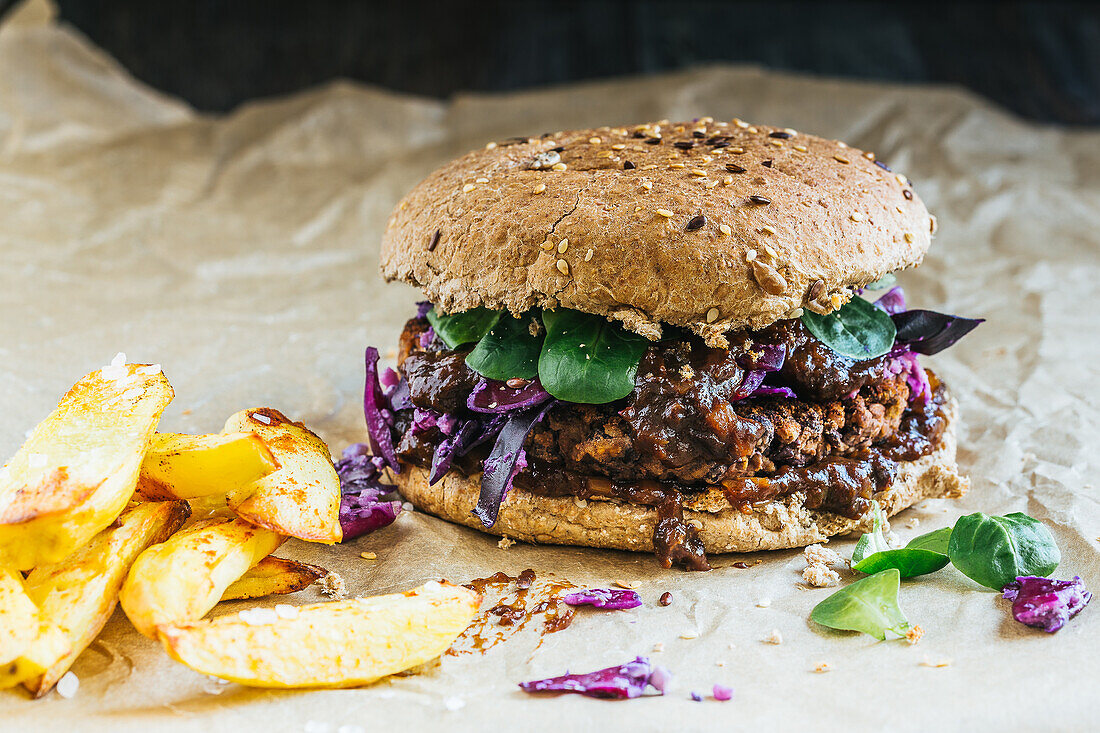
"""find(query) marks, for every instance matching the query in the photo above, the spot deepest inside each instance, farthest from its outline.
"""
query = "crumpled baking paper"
(241, 252)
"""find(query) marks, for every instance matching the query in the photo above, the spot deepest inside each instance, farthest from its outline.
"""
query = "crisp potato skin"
(80, 593)
(78, 469)
(183, 578)
(302, 498)
(273, 576)
(179, 466)
(339, 644)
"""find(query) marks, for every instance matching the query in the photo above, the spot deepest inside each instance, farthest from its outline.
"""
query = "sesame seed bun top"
(713, 226)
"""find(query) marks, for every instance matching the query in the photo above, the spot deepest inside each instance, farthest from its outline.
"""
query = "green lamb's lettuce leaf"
(888, 280)
(994, 551)
(936, 541)
(508, 350)
(587, 358)
(869, 605)
(857, 329)
(463, 328)
(873, 554)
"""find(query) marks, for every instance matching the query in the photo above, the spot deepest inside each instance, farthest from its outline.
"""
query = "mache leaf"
(462, 328)
(507, 350)
(587, 358)
(857, 329)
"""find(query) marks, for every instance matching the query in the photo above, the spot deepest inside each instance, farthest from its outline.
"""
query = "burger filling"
(778, 413)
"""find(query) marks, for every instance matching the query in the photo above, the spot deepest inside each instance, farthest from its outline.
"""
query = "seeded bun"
(713, 226)
(620, 525)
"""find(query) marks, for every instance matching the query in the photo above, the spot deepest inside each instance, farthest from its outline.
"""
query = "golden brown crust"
(502, 228)
(620, 525)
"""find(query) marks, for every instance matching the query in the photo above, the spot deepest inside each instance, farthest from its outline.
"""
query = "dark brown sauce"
(509, 604)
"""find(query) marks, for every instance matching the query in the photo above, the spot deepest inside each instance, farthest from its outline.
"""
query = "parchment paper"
(241, 253)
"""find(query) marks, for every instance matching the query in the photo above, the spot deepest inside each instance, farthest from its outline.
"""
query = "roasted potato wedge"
(78, 469)
(28, 643)
(302, 498)
(273, 576)
(339, 644)
(183, 578)
(79, 594)
(180, 466)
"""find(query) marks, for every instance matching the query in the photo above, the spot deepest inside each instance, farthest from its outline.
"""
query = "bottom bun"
(615, 524)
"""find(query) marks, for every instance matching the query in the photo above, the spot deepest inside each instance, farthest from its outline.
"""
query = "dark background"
(1040, 59)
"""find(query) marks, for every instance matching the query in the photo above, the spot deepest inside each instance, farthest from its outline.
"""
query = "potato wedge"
(183, 578)
(273, 576)
(180, 466)
(78, 469)
(301, 499)
(28, 643)
(338, 644)
(79, 594)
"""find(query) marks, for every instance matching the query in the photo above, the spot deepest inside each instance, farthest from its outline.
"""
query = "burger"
(681, 338)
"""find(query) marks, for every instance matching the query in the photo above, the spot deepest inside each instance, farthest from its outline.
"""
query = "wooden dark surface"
(1039, 59)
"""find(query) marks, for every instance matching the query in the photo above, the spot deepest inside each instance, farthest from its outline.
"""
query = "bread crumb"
(764, 603)
(368, 555)
(822, 668)
(821, 555)
(505, 543)
(67, 685)
(820, 576)
(333, 586)
(689, 634)
(774, 638)
(914, 634)
(659, 646)
(631, 584)
(936, 665)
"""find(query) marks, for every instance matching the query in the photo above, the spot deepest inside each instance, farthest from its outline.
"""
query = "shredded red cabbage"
(610, 599)
(505, 460)
(765, 357)
(363, 508)
(892, 301)
(723, 693)
(491, 396)
(780, 391)
(625, 681)
(1046, 603)
(378, 413)
(448, 448)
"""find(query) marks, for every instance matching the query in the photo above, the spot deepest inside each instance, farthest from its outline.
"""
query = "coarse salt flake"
(68, 685)
(258, 616)
(454, 703)
(285, 611)
(261, 418)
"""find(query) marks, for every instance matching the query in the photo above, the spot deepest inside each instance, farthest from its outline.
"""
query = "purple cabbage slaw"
(611, 599)
(1046, 603)
(363, 508)
(624, 681)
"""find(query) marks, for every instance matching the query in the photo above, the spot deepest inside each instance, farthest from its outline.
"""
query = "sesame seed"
(547, 245)
(856, 216)
(763, 200)
(770, 250)
(539, 188)
(588, 255)
(696, 222)
(790, 132)
(368, 555)
(605, 154)
(767, 229)
(840, 159)
(683, 144)
(750, 255)
(725, 229)
(899, 209)
(909, 237)
(618, 146)
(901, 179)
(628, 166)
(801, 148)
(841, 143)
(467, 188)
(558, 167)
(869, 155)
(710, 184)
(712, 315)
(595, 140)
(664, 212)
(697, 172)
(647, 185)
(776, 143)
(677, 165)
(434, 240)
(734, 168)
(563, 245)
(727, 180)
(752, 129)
(650, 167)
(563, 267)
(737, 151)
(481, 180)
(490, 146)
(740, 123)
